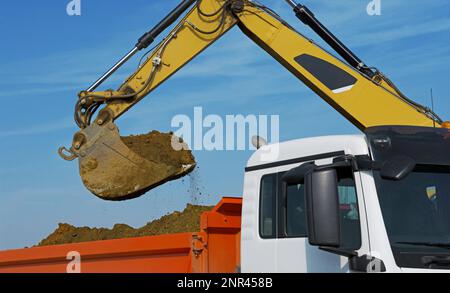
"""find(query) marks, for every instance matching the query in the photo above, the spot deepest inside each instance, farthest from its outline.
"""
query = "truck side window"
(296, 225)
(296, 212)
(267, 216)
(349, 214)
(295, 216)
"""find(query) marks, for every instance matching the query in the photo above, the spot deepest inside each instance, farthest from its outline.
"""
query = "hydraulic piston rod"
(307, 17)
(145, 40)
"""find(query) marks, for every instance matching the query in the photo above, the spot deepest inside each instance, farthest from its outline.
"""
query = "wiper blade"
(436, 260)
(430, 261)
(433, 244)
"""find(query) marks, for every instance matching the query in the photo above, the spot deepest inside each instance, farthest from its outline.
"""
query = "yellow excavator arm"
(365, 101)
(361, 94)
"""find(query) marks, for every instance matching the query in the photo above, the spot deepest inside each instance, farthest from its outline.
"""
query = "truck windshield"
(416, 211)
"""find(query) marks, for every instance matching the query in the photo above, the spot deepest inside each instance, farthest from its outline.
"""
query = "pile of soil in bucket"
(176, 222)
(158, 147)
(164, 157)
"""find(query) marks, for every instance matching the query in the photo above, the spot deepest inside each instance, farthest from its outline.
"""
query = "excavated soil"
(177, 222)
(156, 146)
(116, 179)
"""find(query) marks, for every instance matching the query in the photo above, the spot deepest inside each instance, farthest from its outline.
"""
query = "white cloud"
(46, 127)
(398, 33)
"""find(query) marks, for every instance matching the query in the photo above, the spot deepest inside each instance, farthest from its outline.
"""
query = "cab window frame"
(280, 213)
(274, 215)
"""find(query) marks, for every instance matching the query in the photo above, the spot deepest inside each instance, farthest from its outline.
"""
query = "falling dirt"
(176, 222)
(196, 189)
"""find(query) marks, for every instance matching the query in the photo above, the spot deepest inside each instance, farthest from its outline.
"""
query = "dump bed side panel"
(216, 248)
(165, 253)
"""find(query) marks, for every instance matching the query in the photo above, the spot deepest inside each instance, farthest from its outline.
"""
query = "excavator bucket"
(120, 168)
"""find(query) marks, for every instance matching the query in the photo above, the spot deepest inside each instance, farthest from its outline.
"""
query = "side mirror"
(397, 168)
(322, 207)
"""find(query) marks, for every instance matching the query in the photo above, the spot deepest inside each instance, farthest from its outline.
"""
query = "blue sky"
(47, 57)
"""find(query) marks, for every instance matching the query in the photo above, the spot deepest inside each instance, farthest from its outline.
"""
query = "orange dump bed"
(215, 248)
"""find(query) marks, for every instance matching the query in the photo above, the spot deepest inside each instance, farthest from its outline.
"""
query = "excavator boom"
(364, 96)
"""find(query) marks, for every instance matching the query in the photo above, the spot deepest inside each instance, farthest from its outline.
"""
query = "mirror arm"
(366, 264)
(334, 165)
(357, 263)
(339, 251)
(358, 162)
(296, 175)
(365, 163)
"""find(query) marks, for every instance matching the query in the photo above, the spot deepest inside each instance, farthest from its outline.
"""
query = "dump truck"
(375, 202)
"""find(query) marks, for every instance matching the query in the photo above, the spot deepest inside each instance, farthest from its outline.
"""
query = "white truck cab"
(378, 202)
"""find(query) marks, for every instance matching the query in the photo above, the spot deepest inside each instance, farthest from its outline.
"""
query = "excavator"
(362, 94)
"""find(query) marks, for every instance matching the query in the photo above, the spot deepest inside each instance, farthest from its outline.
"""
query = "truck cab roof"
(307, 149)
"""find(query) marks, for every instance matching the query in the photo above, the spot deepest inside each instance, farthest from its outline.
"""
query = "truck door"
(294, 254)
(259, 219)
